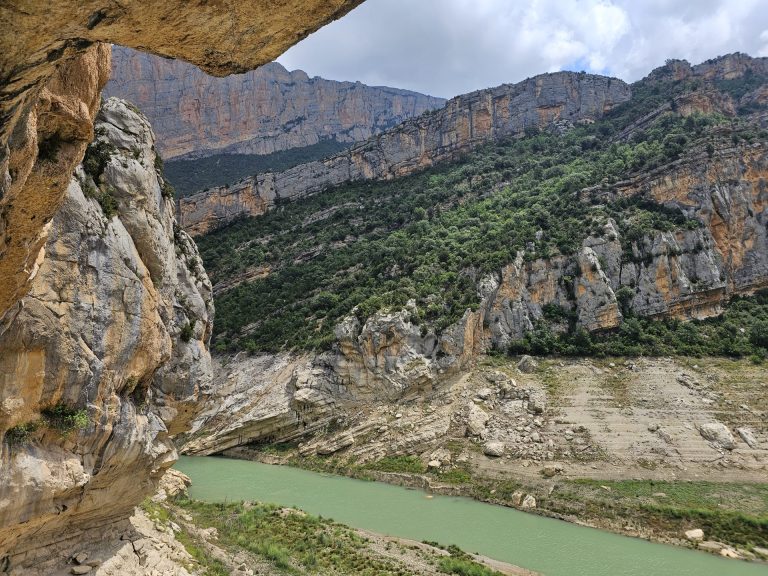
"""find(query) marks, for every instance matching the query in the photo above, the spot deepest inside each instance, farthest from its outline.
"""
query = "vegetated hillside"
(190, 176)
(558, 100)
(262, 111)
(540, 204)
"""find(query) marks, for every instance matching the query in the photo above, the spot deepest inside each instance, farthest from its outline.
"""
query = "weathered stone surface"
(527, 364)
(477, 418)
(465, 122)
(51, 74)
(388, 356)
(32, 188)
(718, 434)
(748, 436)
(101, 331)
(261, 397)
(695, 535)
(494, 449)
(258, 112)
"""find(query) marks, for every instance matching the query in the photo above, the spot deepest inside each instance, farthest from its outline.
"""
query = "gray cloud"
(448, 47)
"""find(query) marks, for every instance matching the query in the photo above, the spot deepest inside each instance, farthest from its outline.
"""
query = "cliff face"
(110, 348)
(104, 358)
(258, 112)
(465, 122)
(52, 69)
(684, 273)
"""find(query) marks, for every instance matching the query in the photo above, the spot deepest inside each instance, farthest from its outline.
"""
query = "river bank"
(733, 516)
(532, 541)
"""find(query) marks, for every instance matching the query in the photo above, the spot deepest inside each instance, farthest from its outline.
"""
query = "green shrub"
(464, 567)
(187, 331)
(65, 418)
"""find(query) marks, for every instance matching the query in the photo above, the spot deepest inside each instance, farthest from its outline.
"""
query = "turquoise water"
(549, 546)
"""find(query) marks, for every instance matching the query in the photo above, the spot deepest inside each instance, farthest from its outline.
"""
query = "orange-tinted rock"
(464, 123)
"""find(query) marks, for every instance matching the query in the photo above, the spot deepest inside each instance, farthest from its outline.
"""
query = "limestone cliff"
(105, 358)
(284, 397)
(465, 122)
(259, 112)
(52, 69)
(687, 273)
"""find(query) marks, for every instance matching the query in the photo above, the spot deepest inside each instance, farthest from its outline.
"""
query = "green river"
(551, 547)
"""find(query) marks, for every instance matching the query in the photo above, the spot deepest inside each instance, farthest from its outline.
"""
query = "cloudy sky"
(448, 47)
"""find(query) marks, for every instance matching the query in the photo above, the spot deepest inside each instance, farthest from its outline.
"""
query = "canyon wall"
(259, 112)
(53, 66)
(104, 359)
(687, 273)
(466, 121)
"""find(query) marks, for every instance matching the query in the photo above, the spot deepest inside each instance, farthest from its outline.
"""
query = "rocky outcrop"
(105, 358)
(284, 398)
(36, 163)
(692, 272)
(52, 69)
(465, 122)
(259, 112)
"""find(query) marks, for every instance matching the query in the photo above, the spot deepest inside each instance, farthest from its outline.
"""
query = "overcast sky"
(449, 47)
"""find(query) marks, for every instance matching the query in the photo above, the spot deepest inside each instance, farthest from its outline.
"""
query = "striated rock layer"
(685, 273)
(465, 122)
(113, 334)
(260, 112)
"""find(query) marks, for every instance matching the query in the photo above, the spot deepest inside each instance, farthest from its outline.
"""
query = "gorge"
(528, 294)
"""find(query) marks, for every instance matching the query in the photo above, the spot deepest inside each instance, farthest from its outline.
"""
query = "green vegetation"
(727, 512)
(298, 543)
(406, 464)
(61, 417)
(741, 331)
(464, 567)
(429, 237)
(191, 176)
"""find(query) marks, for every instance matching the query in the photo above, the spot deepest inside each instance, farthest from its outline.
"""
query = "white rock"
(529, 502)
(748, 436)
(494, 449)
(695, 535)
(718, 434)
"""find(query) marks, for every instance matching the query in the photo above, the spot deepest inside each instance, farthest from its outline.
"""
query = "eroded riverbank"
(533, 542)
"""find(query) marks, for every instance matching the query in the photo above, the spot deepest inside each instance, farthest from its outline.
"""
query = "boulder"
(494, 449)
(748, 436)
(695, 535)
(718, 434)
(537, 402)
(477, 418)
(527, 364)
(529, 502)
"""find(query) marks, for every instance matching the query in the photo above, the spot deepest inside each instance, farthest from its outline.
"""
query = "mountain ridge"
(259, 112)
